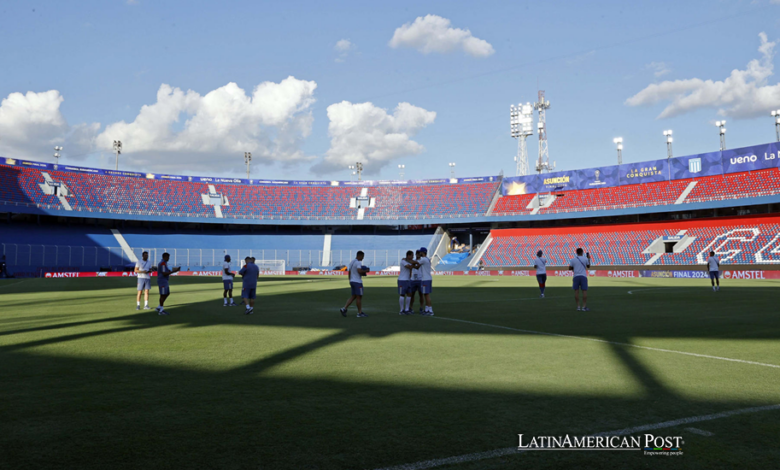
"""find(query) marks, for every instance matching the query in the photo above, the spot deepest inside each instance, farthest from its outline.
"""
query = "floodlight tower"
(117, 151)
(776, 115)
(247, 160)
(619, 142)
(401, 170)
(722, 126)
(521, 119)
(358, 167)
(668, 135)
(452, 170)
(57, 151)
(544, 154)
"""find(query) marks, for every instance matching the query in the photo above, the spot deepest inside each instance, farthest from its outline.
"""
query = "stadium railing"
(92, 257)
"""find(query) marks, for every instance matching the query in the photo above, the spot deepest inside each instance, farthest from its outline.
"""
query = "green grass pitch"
(88, 382)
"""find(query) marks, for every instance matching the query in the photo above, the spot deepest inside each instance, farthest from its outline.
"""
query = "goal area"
(271, 266)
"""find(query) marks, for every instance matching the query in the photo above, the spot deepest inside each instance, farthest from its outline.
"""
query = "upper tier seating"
(735, 241)
(141, 196)
(708, 188)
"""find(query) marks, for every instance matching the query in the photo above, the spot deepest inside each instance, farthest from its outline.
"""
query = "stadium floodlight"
(401, 171)
(117, 151)
(358, 170)
(722, 126)
(521, 119)
(619, 142)
(776, 115)
(668, 135)
(452, 170)
(57, 151)
(247, 160)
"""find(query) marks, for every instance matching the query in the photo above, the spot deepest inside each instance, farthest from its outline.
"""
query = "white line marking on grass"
(11, 284)
(621, 432)
(700, 432)
(704, 356)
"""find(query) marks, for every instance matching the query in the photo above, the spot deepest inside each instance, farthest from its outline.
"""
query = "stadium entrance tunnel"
(94, 386)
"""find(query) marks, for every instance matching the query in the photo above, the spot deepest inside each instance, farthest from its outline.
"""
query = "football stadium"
(582, 315)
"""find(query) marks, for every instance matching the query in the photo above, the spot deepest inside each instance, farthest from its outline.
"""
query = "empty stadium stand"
(744, 241)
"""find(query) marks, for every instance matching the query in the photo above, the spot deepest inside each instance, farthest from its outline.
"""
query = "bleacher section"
(709, 188)
(735, 241)
(142, 196)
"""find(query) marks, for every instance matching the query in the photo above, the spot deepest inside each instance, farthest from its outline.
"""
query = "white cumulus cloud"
(32, 124)
(362, 132)
(343, 47)
(217, 127)
(659, 68)
(743, 94)
(433, 33)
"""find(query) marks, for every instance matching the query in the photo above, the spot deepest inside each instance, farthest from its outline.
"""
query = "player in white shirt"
(143, 269)
(356, 272)
(415, 284)
(713, 264)
(404, 283)
(540, 264)
(580, 264)
(227, 282)
(426, 280)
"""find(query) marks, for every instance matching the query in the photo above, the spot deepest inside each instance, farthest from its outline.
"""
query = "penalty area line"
(11, 284)
(703, 356)
(425, 464)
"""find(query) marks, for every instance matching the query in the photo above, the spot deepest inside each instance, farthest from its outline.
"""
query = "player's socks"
(406, 304)
(138, 304)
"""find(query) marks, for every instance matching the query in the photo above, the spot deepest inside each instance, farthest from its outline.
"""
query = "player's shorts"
(228, 284)
(426, 287)
(144, 284)
(414, 286)
(714, 275)
(580, 282)
(248, 293)
(404, 287)
(164, 290)
(357, 288)
(541, 278)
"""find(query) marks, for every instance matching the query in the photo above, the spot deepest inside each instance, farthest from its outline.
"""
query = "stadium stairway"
(454, 262)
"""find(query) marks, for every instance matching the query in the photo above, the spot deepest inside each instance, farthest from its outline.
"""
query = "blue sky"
(106, 60)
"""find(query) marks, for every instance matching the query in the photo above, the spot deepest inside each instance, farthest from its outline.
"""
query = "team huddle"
(414, 278)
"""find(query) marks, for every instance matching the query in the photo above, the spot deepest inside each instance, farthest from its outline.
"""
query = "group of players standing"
(414, 277)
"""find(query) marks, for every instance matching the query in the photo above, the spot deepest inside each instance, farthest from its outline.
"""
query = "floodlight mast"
(722, 126)
(358, 167)
(543, 164)
(452, 170)
(521, 118)
(401, 171)
(57, 151)
(668, 135)
(117, 151)
(776, 115)
(247, 160)
(619, 142)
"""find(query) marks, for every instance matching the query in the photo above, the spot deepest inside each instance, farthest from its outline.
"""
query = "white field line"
(704, 356)
(11, 284)
(700, 432)
(621, 432)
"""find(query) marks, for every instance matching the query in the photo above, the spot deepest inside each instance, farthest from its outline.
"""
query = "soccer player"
(404, 281)
(415, 285)
(713, 264)
(580, 264)
(163, 272)
(249, 274)
(540, 264)
(143, 268)
(227, 283)
(356, 272)
(426, 280)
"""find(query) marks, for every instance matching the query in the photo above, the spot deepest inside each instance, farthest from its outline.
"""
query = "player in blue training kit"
(404, 283)
(426, 281)
(250, 272)
(227, 283)
(356, 271)
(540, 263)
(580, 264)
(143, 269)
(713, 264)
(163, 272)
(415, 285)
